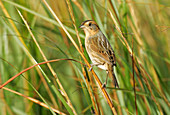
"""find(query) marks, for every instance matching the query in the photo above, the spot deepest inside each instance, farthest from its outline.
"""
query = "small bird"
(99, 49)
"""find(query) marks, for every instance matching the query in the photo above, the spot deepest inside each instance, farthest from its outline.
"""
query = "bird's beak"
(81, 26)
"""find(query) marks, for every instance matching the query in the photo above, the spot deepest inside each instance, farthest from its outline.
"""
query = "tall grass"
(44, 64)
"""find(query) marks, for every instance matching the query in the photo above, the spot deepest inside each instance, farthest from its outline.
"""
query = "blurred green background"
(144, 22)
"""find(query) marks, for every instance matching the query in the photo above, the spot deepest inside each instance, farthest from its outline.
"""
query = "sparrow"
(99, 49)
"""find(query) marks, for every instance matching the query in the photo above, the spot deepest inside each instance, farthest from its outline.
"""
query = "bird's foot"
(104, 85)
(91, 68)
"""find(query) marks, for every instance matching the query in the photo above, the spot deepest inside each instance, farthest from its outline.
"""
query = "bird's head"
(90, 27)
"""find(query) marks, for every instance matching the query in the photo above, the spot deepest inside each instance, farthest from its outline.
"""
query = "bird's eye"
(89, 24)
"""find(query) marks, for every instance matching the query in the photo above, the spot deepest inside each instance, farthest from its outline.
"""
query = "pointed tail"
(112, 74)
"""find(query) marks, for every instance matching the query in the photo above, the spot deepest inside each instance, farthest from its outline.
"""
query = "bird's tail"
(112, 74)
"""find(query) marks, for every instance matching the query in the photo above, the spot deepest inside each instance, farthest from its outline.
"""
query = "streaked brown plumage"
(99, 48)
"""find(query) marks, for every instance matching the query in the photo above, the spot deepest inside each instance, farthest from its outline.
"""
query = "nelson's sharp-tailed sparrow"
(99, 49)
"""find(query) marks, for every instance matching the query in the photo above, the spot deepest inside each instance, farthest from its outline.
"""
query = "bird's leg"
(105, 83)
(95, 64)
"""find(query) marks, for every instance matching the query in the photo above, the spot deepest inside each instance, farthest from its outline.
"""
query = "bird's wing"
(102, 48)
